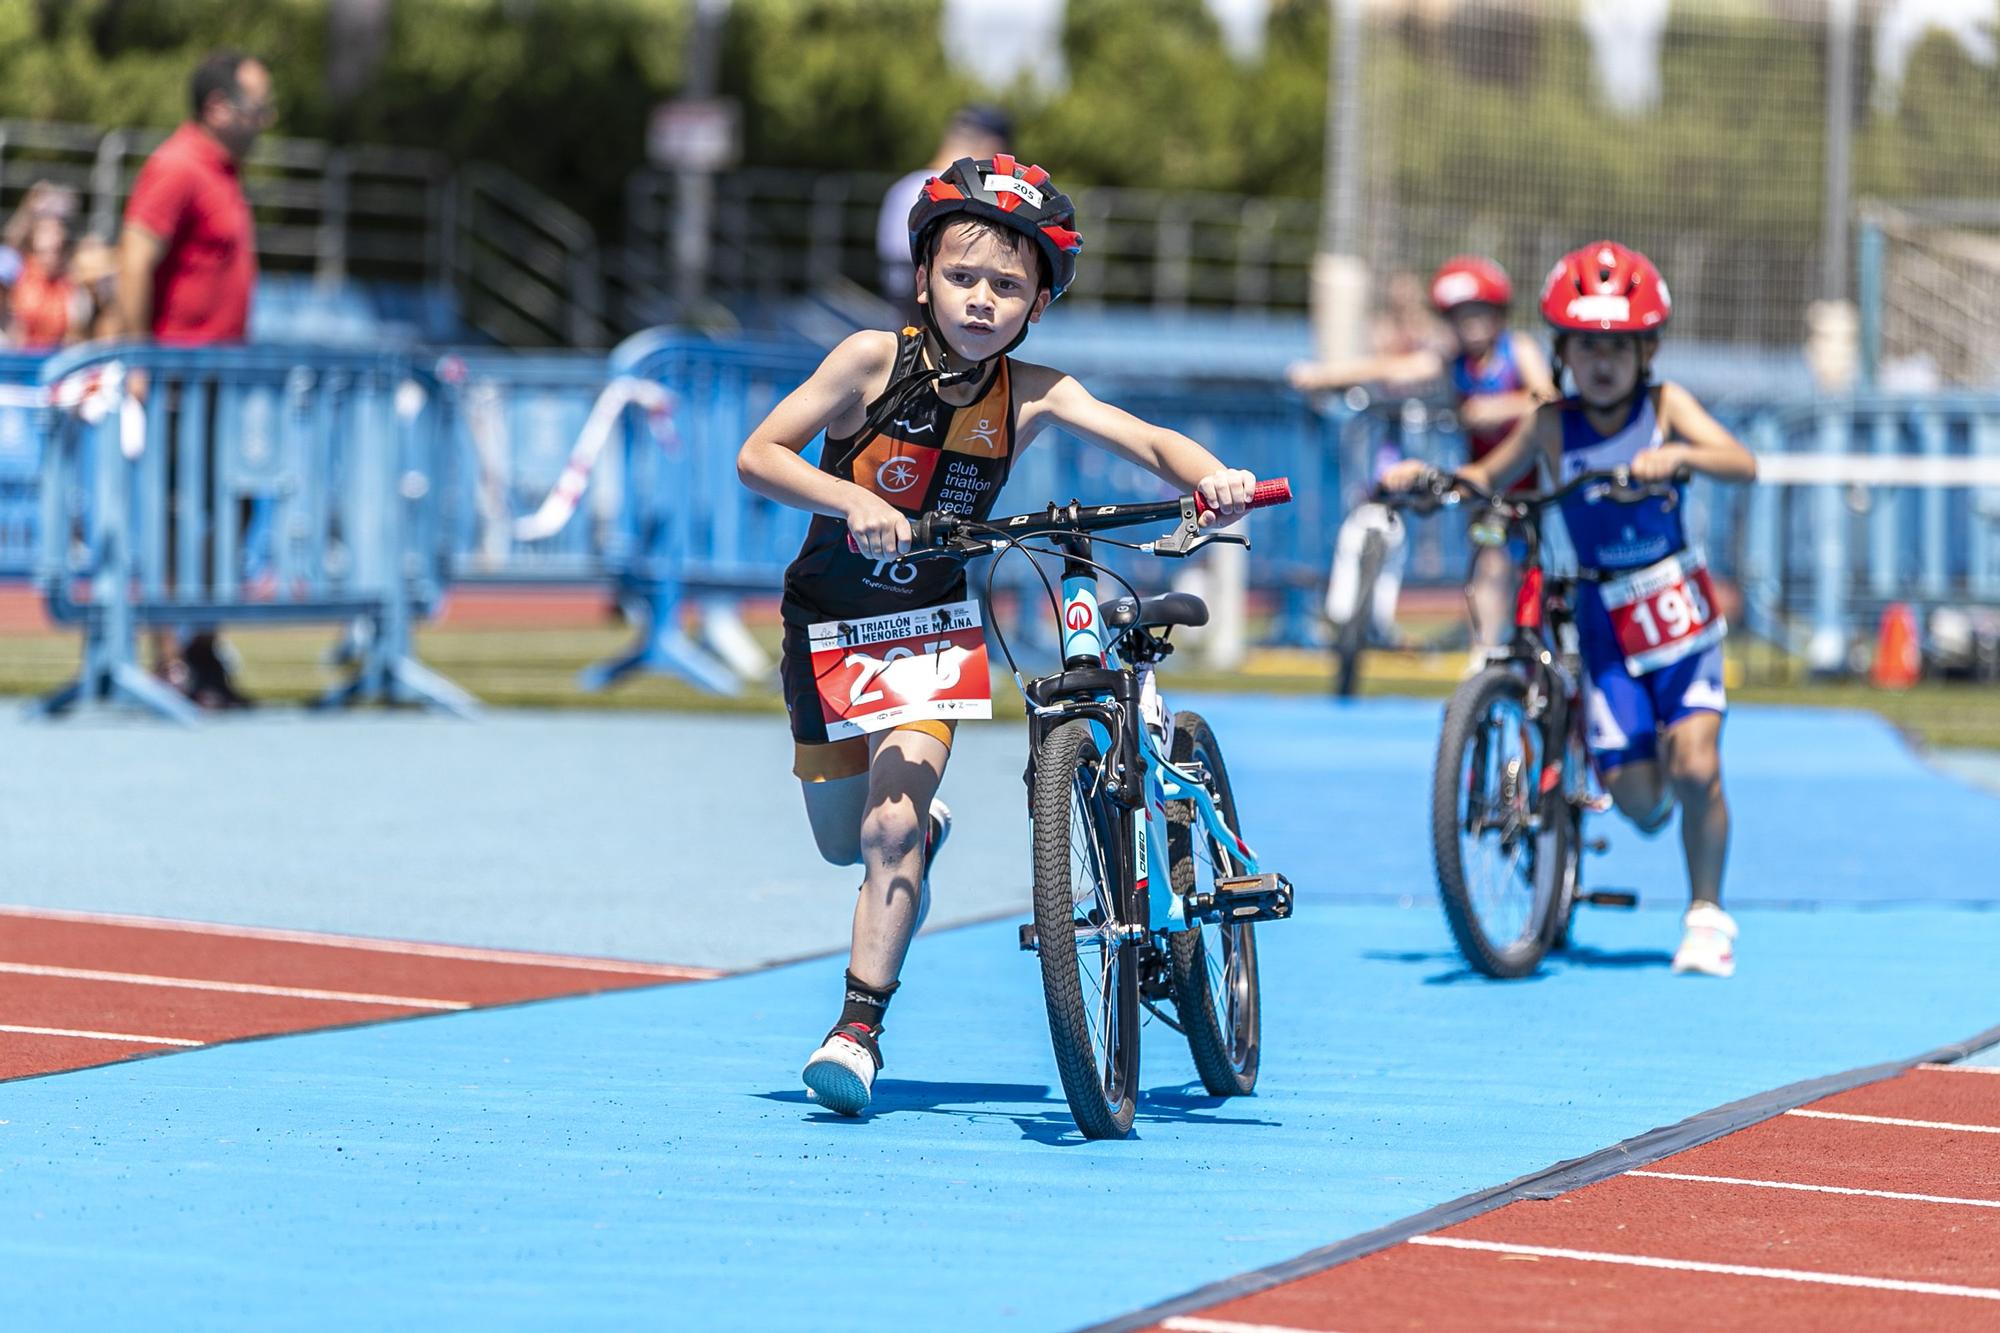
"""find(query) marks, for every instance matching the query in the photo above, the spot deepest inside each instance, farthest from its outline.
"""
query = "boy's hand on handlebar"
(876, 528)
(1659, 464)
(1226, 494)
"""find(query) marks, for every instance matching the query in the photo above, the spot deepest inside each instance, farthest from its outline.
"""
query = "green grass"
(537, 668)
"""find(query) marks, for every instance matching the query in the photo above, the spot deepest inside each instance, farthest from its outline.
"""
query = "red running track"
(78, 989)
(1876, 1208)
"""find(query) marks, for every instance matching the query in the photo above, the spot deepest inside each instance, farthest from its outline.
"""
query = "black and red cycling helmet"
(1010, 194)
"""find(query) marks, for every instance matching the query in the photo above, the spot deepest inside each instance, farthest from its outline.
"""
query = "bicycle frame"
(1114, 697)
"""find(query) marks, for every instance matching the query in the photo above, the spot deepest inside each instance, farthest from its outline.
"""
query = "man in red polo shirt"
(187, 262)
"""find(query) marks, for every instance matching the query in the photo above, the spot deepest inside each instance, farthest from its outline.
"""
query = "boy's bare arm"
(1694, 439)
(832, 399)
(1049, 397)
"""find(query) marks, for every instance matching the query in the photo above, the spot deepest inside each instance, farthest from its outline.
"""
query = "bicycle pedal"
(1611, 898)
(1029, 944)
(1265, 897)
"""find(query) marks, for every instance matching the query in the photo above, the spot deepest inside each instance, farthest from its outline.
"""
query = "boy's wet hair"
(1013, 240)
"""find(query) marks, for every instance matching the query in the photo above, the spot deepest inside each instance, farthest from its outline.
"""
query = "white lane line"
(509, 957)
(1195, 1324)
(1727, 1270)
(1816, 1189)
(98, 1036)
(1962, 1069)
(1896, 1120)
(231, 987)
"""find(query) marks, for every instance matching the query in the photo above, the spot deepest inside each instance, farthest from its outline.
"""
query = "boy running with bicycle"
(1648, 625)
(928, 419)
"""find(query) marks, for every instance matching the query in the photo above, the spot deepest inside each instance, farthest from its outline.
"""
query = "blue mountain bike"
(1145, 894)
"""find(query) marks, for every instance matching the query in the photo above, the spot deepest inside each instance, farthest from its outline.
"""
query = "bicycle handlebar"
(1447, 487)
(934, 531)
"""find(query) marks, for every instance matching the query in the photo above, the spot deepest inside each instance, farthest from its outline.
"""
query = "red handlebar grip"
(1277, 491)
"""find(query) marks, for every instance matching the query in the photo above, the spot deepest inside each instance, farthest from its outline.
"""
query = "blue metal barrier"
(147, 512)
(366, 481)
(688, 526)
(516, 422)
(21, 396)
(1863, 501)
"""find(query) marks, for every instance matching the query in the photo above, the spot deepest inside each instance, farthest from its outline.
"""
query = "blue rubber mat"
(646, 1159)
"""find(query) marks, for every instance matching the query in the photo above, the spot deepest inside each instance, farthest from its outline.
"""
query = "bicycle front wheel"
(1498, 857)
(1214, 965)
(1090, 972)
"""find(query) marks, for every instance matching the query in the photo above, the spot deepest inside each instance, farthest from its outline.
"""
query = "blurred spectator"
(1406, 323)
(47, 306)
(187, 262)
(94, 268)
(974, 131)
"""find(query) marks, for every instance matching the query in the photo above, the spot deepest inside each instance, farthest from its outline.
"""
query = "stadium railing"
(574, 468)
(21, 396)
(249, 485)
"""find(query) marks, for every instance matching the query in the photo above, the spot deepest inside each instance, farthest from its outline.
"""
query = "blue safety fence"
(243, 485)
(1865, 500)
(335, 467)
(524, 428)
(21, 396)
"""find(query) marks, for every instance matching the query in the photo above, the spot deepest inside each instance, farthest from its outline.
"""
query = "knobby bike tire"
(1102, 1095)
(1226, 1045)
(1463, 721)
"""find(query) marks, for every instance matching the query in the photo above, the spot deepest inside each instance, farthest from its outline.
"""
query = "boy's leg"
(903, 778)
(834, 807)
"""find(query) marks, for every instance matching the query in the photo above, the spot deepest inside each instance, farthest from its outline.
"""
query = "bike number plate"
(908, 666)
(1663, 613)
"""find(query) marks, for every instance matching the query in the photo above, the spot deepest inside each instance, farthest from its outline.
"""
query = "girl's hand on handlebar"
(876, 528)
(1226, 494)
(1405, 475)
(1659, 464)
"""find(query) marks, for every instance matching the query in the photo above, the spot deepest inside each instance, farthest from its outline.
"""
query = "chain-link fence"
(1697, 131)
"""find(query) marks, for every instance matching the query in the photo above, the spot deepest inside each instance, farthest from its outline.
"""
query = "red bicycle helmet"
(1004, 191)
(1469, 280)
(1606, 288)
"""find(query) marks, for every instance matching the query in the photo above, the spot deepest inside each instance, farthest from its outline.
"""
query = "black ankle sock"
(864, 1003)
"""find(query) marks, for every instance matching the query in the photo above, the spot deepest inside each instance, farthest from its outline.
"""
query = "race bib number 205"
(907, 666)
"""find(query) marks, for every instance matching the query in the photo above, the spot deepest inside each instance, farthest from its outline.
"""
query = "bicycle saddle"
(1169, 608)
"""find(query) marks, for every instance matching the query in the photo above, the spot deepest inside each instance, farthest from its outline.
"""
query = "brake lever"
(1186, 538)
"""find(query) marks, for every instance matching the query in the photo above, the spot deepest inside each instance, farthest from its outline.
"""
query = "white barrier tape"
(1876, 470)
(560, 505)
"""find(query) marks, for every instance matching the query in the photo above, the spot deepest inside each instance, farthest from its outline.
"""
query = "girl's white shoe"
(1709, 944)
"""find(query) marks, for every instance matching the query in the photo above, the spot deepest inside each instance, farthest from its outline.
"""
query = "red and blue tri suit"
(1499, 372)
(1633, 558)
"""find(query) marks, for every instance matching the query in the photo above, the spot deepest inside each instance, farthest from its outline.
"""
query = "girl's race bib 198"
(1663, 613)
(908, 666)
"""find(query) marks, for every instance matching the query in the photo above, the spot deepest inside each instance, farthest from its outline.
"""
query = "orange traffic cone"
(1898, 661)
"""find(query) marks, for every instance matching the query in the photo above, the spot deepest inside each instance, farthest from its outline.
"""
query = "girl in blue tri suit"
(1651, 634)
